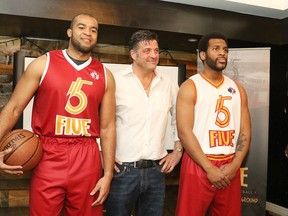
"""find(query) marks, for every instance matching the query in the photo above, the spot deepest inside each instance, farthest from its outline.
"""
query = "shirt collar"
(129, 70)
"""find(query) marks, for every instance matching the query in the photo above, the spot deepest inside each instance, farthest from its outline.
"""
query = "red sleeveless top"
(67, 101)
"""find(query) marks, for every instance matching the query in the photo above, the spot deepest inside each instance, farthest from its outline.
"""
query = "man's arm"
(244, 138)
(185, 123)
(172, 159)
(107, 139)
(22, 94)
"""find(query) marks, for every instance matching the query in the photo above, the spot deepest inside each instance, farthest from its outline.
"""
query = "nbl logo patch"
(94, 75)
(231, 90)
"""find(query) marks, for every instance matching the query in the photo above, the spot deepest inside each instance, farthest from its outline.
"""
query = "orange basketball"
(27, 150)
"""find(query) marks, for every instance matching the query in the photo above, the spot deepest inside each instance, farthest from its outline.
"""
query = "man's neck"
(215, 77)
(77, 55)
(142, 74)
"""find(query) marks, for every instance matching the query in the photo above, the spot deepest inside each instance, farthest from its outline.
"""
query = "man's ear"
(133, 54)
(69, 32)
(202, 55)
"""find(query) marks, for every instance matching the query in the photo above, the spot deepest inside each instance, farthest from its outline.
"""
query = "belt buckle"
(135, 164)
(143, 164)
(140, 164)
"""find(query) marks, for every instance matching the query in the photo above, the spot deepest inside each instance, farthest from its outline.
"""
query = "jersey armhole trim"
(240, 92)
(193, 89)
(105, 75)
(46, 68)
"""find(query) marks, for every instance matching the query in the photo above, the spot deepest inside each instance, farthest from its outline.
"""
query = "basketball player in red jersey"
(74, 103)
(214, 126)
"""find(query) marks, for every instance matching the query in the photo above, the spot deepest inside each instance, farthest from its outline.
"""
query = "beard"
(83, 49)
(213, 64)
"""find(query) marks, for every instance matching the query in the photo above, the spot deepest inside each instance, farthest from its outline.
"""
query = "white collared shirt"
(141, 121)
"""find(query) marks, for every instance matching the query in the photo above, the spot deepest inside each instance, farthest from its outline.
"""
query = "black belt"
(142, 163)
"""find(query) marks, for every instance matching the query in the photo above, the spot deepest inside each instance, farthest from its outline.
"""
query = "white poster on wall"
(250, 67)
(171, 72)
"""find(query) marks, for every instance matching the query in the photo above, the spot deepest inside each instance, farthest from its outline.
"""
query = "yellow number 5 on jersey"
(75, 91)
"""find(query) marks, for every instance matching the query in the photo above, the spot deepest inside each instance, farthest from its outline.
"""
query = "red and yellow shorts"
(64, 178)
(196, 195)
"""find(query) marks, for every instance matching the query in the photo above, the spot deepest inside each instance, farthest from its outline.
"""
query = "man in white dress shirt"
(144, 100)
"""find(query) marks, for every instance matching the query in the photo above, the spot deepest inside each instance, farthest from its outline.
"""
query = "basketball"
(26, 149)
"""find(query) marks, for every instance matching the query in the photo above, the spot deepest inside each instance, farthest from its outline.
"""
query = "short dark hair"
(139, 36)
(76, 16)
(204, 41)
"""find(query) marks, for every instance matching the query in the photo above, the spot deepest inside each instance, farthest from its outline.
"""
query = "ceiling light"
(192, 39)
(278, 5)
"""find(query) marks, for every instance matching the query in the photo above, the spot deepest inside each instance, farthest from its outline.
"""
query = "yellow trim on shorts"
(219, 157)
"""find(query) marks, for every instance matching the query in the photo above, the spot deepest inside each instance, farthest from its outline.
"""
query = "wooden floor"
(169, 210)
(170, 200)
(170, 204)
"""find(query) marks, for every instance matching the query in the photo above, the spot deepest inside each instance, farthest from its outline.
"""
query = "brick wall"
(14, 190)
(5, 88)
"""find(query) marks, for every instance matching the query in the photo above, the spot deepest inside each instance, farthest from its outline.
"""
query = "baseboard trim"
(279, 210)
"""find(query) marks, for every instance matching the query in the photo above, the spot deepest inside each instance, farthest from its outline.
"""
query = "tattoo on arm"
(240, 143)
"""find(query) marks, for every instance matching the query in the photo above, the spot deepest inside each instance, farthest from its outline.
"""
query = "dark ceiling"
(50, 29)
(174, 23)
(41, 28)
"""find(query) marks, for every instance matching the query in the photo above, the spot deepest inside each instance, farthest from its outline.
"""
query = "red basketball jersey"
(67, 100)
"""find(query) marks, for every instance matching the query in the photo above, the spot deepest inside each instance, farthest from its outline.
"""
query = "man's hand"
(170, 161)
(15, 170)
(217, 178)
(229, 170)
(115, 165)
(102, 188)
